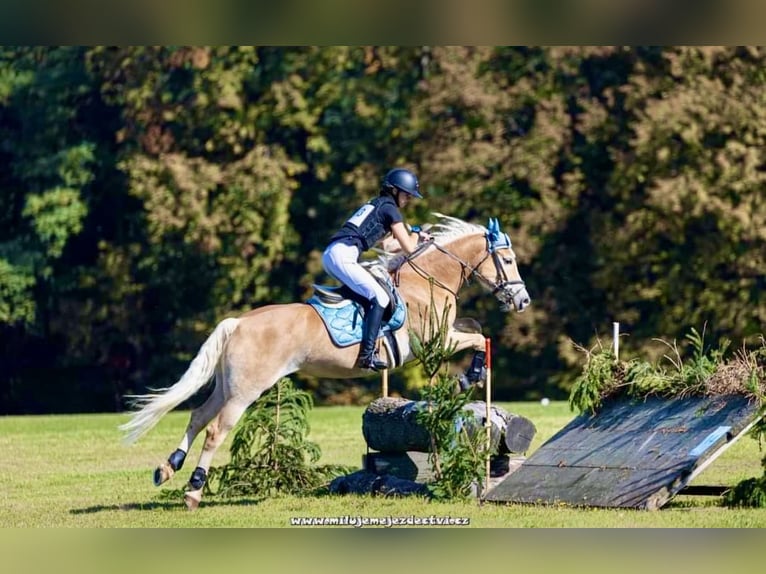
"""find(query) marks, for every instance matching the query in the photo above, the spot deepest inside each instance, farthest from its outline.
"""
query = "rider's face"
(402, 198)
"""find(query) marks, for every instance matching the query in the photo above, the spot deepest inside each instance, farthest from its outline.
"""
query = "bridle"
(501, 285)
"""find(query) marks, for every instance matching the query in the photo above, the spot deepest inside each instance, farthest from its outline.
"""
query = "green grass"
(73, 471)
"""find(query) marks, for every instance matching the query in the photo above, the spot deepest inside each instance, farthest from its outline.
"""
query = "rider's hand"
(424, 236)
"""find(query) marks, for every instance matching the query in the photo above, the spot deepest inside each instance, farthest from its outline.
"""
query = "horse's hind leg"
(199, 418)
(251, 364)
(217, 431)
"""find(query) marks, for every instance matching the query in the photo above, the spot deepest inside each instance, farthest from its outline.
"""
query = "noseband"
(502, 285)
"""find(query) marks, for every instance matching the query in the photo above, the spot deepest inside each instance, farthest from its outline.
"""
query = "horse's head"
(498, 270)
(484, 254)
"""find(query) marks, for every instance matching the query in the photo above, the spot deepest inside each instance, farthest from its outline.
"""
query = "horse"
(247, 355)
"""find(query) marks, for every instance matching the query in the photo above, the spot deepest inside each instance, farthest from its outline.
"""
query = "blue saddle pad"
(344, 320)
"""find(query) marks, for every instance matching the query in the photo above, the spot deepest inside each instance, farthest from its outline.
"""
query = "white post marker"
(616, 340)
(488, 422)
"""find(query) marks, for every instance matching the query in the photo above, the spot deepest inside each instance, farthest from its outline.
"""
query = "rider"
(368, 225)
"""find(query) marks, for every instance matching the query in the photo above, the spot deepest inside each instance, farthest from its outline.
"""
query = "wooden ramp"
(631, 454)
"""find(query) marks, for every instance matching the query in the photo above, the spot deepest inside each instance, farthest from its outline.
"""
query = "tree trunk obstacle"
(390, 425)
(401, 464)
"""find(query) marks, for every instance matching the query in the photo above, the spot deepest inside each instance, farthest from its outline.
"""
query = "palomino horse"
(250, 353)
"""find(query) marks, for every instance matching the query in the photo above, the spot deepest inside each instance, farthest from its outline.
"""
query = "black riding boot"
(368, 358)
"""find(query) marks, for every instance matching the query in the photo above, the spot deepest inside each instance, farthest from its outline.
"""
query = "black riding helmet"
(403, 180)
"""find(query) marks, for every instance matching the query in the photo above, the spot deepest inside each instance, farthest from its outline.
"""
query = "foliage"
(456, 454)
(434, 349)
(51, 160)
(705, 372)
(595, 383)
(750, 492)
(270, 453)
(151, 190)
(15, 303)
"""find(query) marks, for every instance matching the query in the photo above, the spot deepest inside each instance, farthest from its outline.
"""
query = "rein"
(420, 271)
(500, 283)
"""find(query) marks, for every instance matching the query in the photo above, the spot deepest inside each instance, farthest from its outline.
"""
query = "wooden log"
(389, 424)
(363, 482)
(410, 465)
(416, 466)
(519, 432)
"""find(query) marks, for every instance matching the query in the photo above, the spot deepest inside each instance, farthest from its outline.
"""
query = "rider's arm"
(408, 241)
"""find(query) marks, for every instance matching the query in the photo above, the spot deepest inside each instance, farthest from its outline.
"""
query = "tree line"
(148, 192)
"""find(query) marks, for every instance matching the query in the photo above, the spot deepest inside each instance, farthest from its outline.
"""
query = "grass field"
(73, 471)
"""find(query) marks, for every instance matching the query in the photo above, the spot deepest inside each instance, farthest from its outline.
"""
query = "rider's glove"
(423, 236)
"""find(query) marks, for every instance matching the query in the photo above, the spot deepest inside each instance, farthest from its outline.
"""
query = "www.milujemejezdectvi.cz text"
(387, 521)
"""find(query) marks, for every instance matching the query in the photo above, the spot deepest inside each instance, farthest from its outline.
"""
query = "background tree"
(147, 192)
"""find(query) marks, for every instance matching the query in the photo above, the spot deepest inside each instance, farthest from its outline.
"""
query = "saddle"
(342, 310)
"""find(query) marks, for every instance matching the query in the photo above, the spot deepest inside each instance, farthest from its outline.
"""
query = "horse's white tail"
(153, 406)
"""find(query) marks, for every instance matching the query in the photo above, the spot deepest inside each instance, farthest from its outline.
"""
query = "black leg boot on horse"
(368, 357)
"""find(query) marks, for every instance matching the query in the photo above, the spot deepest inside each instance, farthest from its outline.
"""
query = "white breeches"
(342, 262)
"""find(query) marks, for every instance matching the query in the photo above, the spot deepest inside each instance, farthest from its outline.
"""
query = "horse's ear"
(492, 226)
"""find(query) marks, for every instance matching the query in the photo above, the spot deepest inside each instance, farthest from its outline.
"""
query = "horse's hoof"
(163, 473)
(192, 499)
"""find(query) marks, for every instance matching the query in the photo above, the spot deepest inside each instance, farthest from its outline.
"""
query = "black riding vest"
(366, 227)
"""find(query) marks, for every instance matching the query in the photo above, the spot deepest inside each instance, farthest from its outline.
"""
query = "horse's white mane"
(445, 230)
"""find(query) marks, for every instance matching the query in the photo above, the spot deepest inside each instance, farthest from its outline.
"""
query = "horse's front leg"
(462, 340)
(470, 340)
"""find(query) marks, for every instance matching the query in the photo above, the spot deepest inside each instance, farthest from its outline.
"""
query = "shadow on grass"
(164, 505)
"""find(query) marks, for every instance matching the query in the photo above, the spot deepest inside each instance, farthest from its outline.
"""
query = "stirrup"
(371, 362)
